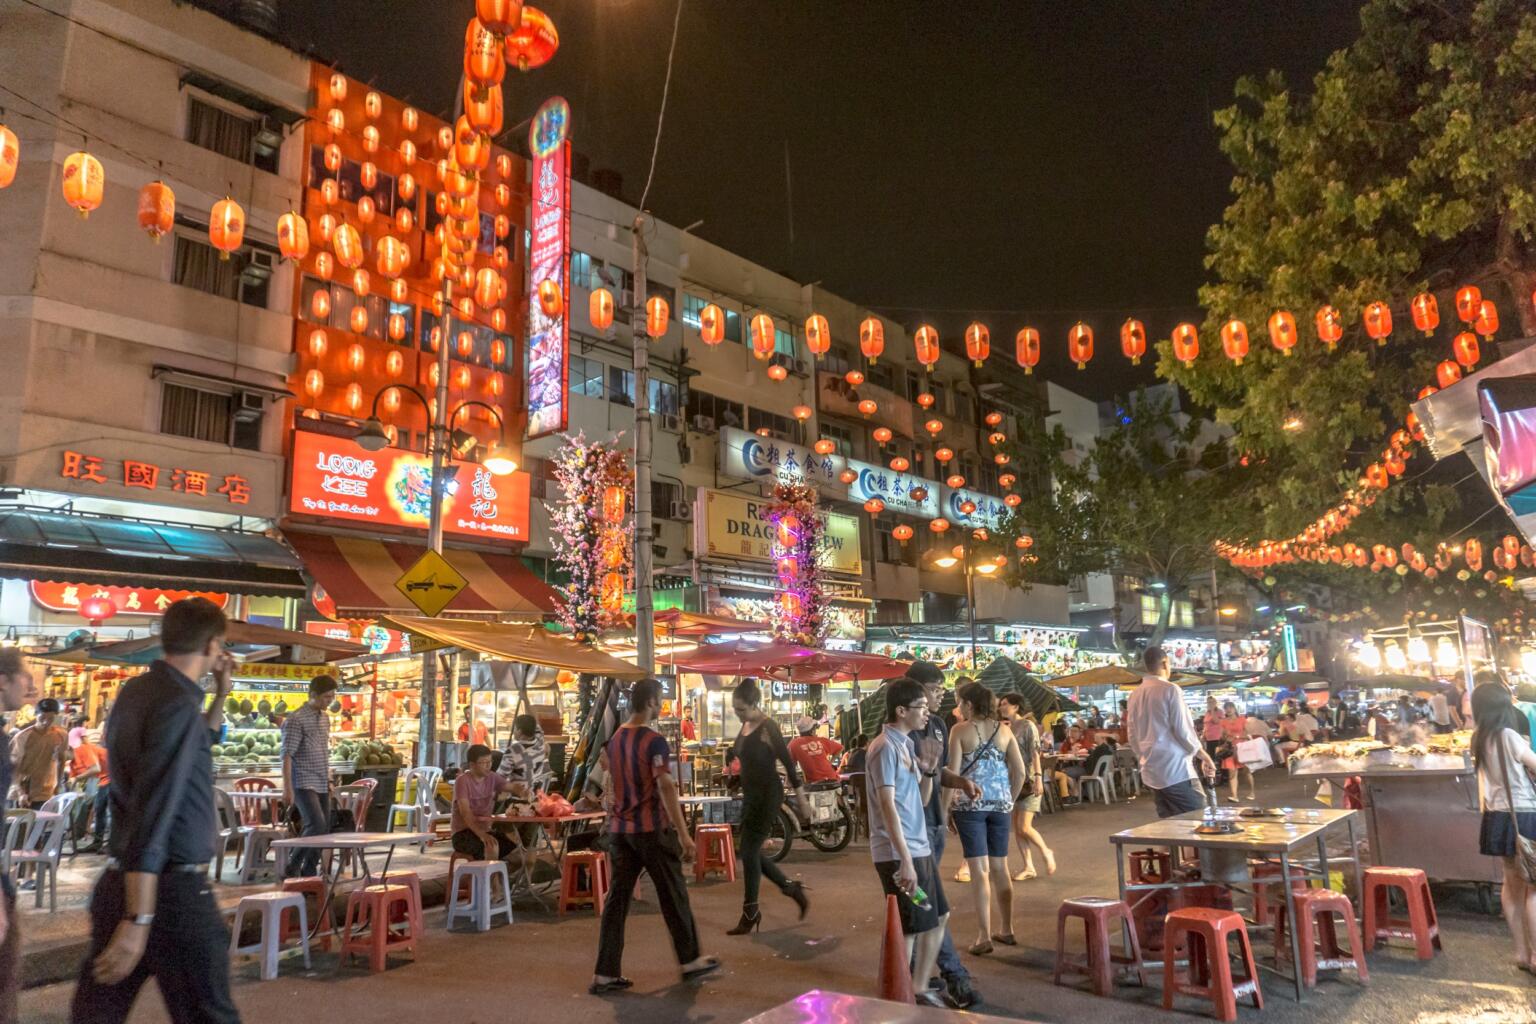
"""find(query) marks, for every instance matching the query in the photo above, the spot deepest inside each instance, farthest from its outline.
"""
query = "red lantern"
(954, 481)
(226, 227)
(83, 182)
(1133, 340)
(1469, 300)
(854, 378)
(938, 525)
(1330, 326)
(490, 288)
(1080, 344)
(390, 257)
(900, 464)
(97, 610)
(874, 506)
(657, 311)
(292, 236)
(825, 446)
(925, 400)
(1426, 313)
(500, 17)
(358, 319)
(1234, 340)
(485, 113)
(1376, 476)
(320, 305)
(993, 419)
(818, 335)
(902, 533)
(483, 64)
(1472, 550)
(926, 343)
(871, 339)
(762, 336)
(551, 301)
(317, 343)
(978, 343)
(157, 209)
(1487, 322)
(314, 383)
(882, 435)
(934, 426)
(1282, 331)
(600, 308)
(801, 412)
(868, 407)
(943, 455)
(534, 41)
(1378, 321)
(712, 324)
(1186, 344)
(10, 155)
(1465, 348)
(1447, 373)
(1026, 348)
(1007, 480)
(347, 244)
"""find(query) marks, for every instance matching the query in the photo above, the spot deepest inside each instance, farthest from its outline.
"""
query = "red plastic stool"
(1319, 941)
(583, 880)
(411, 881)
(714, 850)
(1149, 867)
(1422, 926)
(1261, 897)
(1205, 930)
(315, 887)
(1097, 914)
(369, 909)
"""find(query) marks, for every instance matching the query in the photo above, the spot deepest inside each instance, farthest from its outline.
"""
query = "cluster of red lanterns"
(1506, 555)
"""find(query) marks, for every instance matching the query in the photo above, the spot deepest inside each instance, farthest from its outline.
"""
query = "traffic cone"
(895, 969)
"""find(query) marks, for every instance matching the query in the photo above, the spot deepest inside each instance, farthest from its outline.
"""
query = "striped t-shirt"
(636, 755)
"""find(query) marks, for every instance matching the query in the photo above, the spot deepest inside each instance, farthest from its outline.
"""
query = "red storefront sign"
(549, 334)
(66, 597)
(335, 478)
(378, 639)
(93, 469)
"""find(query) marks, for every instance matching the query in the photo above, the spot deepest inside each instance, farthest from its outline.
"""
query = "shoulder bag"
(1525, 849)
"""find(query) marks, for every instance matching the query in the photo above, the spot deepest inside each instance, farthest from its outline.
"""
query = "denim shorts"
(983, 833)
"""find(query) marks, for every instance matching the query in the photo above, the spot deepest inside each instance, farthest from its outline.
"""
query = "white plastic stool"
(479, 907)
(270, 905)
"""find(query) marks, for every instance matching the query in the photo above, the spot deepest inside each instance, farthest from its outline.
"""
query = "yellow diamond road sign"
(432, 583)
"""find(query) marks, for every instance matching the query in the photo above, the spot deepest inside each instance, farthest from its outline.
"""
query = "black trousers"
(659, 855)
(759, 806)
(187, 953)
(315, 812)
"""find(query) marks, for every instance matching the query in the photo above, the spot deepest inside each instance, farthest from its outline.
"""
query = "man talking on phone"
(153, 913)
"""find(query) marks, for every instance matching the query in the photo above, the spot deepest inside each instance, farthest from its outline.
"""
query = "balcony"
(835, 396)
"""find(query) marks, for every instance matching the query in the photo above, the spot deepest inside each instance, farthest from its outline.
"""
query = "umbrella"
(530, 644)
(1103, 675)
(842, 666)
(743, 658)
(676, 622)
(1004, 675)
(1293, 681)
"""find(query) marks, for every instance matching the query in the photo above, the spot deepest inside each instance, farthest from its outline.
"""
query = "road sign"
(431, 584)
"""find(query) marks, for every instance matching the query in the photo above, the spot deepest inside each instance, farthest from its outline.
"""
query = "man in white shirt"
(1307, 725)
(1440, 712)
(1164, 739)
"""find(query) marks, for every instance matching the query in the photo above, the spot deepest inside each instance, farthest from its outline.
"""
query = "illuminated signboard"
(151, 476)
(549, 333)
(736, 526)
(377, 639)
(335, 478)
(66, 597)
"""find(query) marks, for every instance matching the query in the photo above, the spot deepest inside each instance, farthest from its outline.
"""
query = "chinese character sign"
(549, 332)
(85, 468)
(66, 597)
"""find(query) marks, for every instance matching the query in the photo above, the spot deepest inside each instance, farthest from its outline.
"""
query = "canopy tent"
(676, 622)
(247, 635)
(1390, 681)
(522, 642)
(778, 660)
(1290, 681)
(1002, 676)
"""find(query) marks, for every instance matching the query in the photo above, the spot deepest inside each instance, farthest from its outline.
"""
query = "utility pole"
(645, 531)
(437, 444)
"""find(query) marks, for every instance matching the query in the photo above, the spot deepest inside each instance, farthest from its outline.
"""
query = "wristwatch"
(139, 920)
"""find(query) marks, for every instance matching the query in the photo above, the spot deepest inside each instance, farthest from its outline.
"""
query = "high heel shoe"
(796, 892)
(751, 918)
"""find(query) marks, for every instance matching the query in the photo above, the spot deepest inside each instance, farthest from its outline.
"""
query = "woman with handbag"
(1505, 762)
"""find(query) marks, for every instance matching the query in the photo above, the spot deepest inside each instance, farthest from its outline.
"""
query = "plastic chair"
(270, 905)
(418, 804)
(1103, 776)
(18, 826)
(355, 798)
(1265, 875)
(41, 851)
(1319, 941)
(1421, 925)
(1127, 770)
(1099, 962)
(367, 931)
(714, 850)
(254, 813)
(479, 905)
(1205, 931)
(583, 880)
(230, 830)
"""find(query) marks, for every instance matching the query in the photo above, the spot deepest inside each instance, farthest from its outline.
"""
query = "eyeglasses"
(921, 705)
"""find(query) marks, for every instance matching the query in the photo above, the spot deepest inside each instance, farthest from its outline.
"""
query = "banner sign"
(377, 639)
(335, 478)
(745, 455)
(736, 526)
(66, 597)
(549, 333)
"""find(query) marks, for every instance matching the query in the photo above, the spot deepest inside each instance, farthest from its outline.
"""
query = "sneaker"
(929, 997)
(959, 994)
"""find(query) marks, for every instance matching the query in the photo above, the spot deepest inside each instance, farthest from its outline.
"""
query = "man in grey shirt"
(1163, 737)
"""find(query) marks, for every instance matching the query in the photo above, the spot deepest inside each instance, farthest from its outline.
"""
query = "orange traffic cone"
(895, 969)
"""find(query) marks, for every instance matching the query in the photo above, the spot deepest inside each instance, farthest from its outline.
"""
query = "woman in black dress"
(760, 748)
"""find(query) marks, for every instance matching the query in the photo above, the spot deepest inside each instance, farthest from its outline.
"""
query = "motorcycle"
(825, 821)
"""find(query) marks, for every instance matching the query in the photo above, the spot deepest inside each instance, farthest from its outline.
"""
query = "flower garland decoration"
(591, 534)
(798, 614)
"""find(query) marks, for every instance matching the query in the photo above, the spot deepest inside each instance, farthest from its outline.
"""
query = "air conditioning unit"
(668, 421)
(800, 367)
(682, 511)
(249, 406)
(260, 258)
(704, 424)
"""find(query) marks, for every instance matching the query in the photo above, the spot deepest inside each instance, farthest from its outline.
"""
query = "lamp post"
(946, 558)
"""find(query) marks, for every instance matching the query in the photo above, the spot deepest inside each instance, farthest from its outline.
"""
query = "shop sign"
(736, 526)
(792, 691)
(989, 512)
(844, 622)
(895, 489)
(335, 478)
(745, 455)
(273, 671)
(66, 597)
(377, 639)
(1038, 636)
(549, 335)
(151, 476)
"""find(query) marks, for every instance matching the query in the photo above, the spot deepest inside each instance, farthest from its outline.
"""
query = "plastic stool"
(1205, 930)
(1262, 901)
(714, 850)
(369, 909)
(411, 881)
(1100, 962)
(480, 905)
(1422, 926)
(307, 887)
(270, 905)
(1319, 941)
(1148, 867)
(583, 880)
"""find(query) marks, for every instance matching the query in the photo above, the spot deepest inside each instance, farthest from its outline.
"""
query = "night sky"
(1018, 162)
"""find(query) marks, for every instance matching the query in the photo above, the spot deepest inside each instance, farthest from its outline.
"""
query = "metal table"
(551, 831)
(818, 1007)
(1282, 837)
(356, 842)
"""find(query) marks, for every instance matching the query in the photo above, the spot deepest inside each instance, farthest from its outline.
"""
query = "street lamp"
(372, 437)
(965, 556)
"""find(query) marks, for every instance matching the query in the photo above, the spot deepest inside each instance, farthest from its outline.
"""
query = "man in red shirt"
(90, 762)
(814, 753)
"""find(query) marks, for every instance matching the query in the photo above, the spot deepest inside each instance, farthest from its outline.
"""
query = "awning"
(72, 547)
(360, 575)
(522, 642)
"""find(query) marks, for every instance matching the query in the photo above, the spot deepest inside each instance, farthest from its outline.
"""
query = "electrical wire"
(666, 86)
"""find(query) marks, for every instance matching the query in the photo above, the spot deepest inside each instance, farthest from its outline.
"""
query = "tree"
(1411, 164)
(1147, 501)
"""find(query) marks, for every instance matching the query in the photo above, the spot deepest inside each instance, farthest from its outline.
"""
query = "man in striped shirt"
(647, 832)
(307, 769)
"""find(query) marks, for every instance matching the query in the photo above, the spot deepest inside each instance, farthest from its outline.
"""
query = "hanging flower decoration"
(796, 526)
(592, 534)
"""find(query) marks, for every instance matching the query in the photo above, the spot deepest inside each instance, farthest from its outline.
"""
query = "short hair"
(901, 694)
(747, 692)
(476, 752)
(323, 684)
(11, 661)
(525, 725)
(983, 701)
(925, 673)
(189, 625)
(643, 693)
(1154, 658)
(1014, 699)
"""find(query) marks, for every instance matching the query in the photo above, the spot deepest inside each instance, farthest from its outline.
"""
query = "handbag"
(1525, 849)
(1253, 754)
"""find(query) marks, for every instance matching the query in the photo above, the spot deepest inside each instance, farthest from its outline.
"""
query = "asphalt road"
(539, 967)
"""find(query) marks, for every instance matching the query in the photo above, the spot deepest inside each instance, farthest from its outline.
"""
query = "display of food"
(1439, 751)
(249, 747)
(364, 753)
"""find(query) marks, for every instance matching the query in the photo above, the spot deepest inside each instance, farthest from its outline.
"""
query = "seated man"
(474, 795)
(526, 759)
(814, 753)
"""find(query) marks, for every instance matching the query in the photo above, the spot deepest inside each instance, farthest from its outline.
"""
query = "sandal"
(598, 988)
(981, 949)
(1024, 876)
(710, 966)
(1007, 940)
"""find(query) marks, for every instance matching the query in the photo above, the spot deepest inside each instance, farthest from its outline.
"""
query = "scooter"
(825, 820)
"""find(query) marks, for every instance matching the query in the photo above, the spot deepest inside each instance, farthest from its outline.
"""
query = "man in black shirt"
(16, 689)
(152, 913)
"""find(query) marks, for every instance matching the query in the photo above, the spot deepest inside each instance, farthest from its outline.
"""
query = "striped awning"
(359, 574)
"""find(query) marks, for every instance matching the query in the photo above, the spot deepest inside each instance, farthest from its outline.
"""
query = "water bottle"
(919, 898)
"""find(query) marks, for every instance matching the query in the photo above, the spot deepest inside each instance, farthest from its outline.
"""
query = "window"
(839, 360)
(621, 386)
(226, 133)
(778, 426)
(582, 271)
(663, 398)
(664, 497)
(693, 308)
(719, 411)
(884, 375)
(1180, 616)
(349, 182)
(587, 377)
(783, 342)
(889, 549)
(841, 436)
(245, 276)
(653, 289)
(221, 417)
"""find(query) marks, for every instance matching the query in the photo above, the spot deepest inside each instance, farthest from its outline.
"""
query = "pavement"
(542, 964)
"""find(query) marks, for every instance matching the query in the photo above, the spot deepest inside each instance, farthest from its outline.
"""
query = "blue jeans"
(949, 960)
(101, 808)
(315, 813)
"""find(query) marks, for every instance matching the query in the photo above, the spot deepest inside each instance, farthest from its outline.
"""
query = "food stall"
(1043, 650)
(1420, 802)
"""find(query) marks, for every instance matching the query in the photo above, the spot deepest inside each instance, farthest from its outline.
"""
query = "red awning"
(359, 575)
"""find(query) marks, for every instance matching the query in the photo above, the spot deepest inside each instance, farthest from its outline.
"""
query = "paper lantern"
(1000, 458)
(406, 184)
(365, 210)
(1376, 476)
(370, 173)
(1378, 321)
(484, 111)
(902, 533)
(1007, 480)
(943, 455)
(97, 610)
(1282, 331)
(918, 493)
(900, 464)
(993, 419)
(613, 504)
(1487, 322)
(801, 412)
(533, 42)
(1447, 373)
(1465, 348)
(925, 342)
(316, 343)
(1234, 340)
(996, 438)
(1330, 326)
(1024, 541)
(332, 155)
(1012, 500)
(483, 63)
(500, 17)
(490, 288)
(320, 304)
(712, 324)
(1080, 344)
(10, 156)
(934, 426)
(967, 507)
(600, 308)
(336, 122)
(390, 257)
(777, 372)
(347, 244)
(358, 319)
(1472, 551)
(1469, 300)
(353, 397)
(954, 481)
(1133, 340)
(854, 378)
(226, 227)
(978, 343)
(657, 311)
(397, 327)
(292, 236)
(314, 383)
(83, 183)
(1393, 463)
(938, 525)
(847, 476)
(874, 506)
(1426, 313)
(871, 338)
(464, 344)
(471, 147)
(612, 593)
(362, 285)
(1026, 348)
(762, 336)
(818, 335)
(157, 209)
(338, 88)
(1186, 344)
(868, 407)
(925, 400)
(825, 446)
(882, 435)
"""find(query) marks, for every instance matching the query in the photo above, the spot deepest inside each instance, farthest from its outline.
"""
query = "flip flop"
(598, 988)
(1007, 940)
(1024, 876)
(981, 949)
(711, 965)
